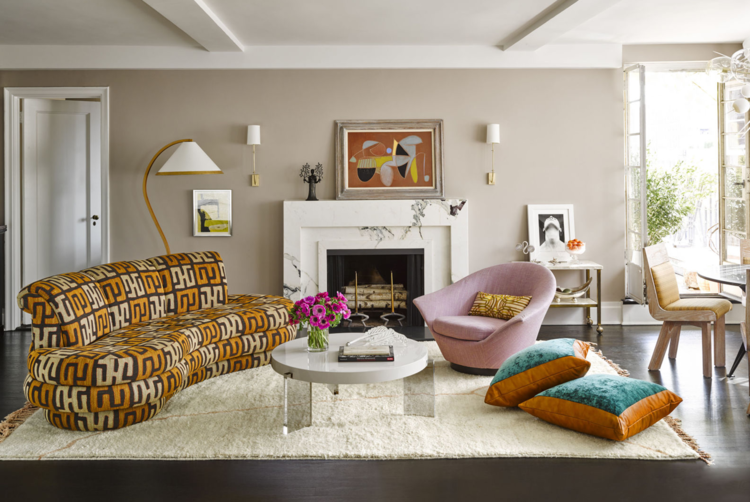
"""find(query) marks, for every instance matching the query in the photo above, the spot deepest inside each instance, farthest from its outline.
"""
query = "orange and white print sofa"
(113, 343)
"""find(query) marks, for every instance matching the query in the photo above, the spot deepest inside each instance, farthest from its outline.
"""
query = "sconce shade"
(189, 158)
(253, 135)
(493, 133)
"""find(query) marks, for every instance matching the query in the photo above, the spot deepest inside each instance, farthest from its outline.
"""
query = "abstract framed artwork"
(212, 213)
(389, 159)
(550, 227)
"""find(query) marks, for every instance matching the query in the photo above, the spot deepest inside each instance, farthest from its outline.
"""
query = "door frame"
(12, 171)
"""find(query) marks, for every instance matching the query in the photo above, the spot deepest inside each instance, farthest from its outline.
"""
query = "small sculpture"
(313, 177)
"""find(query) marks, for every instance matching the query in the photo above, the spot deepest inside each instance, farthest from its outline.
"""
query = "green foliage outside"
(673, 195)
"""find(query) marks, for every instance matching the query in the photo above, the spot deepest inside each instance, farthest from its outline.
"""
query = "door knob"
(95, 217)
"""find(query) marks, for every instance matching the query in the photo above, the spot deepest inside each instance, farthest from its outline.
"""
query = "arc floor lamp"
(189, 158)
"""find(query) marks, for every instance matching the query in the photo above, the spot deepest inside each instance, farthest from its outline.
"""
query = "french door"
(636, 228)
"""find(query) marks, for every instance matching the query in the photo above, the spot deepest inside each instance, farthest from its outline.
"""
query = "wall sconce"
(253, 138)
(493, 138)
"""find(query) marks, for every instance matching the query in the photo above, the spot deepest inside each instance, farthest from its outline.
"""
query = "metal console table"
(586, 302)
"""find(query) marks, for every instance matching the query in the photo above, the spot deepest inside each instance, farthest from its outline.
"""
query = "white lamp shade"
(189, 158)
(741, 105)
(493, 133)
(253, 135)
(745, 91)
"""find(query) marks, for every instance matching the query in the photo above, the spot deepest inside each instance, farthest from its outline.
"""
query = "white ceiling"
(349, 33)
(666, 22)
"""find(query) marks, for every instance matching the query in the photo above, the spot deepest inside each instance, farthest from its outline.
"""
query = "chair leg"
(706, 334)
(661, 346)
(720, 350)
(674, 341)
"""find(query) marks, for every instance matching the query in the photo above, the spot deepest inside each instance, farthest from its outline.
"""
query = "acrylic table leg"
(599, 328)
(587, 310)
(297, 404)
(419, 392)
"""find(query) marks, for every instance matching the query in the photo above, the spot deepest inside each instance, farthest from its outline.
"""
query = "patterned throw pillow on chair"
(537, 368)
(608, 406)
(499, 306)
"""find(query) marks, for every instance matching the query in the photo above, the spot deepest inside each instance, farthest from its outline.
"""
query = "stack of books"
(353, 354)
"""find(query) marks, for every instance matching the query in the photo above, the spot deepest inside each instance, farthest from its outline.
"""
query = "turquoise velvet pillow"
(537, 368)
(608, 406)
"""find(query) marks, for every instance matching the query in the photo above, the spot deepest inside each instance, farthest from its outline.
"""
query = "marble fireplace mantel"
(311, 228)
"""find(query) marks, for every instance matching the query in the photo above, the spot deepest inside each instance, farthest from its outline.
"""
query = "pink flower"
(336, 307)
(304, 309)
(324, 324)
(309, 300)
(340, 297)
(347, 313)
(319, 310)
(330, 317)
(315, 321)
(322, 294)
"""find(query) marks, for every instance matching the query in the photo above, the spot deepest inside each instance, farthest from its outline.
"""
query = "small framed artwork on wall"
(212, 213)
(389, 159)
(550, 227)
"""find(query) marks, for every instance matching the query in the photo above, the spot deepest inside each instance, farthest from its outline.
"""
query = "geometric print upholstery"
(192, 281)
(143, 350)
(113, 343)
(66, 310)
(499, 306)
(132, 290)
(89, 399)
(117, 419)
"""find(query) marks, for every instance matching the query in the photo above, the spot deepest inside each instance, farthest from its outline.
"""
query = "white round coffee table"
(301, 369)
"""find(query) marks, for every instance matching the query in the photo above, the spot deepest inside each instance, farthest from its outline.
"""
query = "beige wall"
(561, 143)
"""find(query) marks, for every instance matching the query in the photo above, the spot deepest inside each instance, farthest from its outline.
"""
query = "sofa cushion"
(191, 281)
(464, 327)
(608, 406)
(132, 290)
(500, 306)
(539, 367)
(150, 348)
(66, 310)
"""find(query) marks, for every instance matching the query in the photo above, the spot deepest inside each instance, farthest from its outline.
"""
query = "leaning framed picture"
(550, 227)
(212, 213)
(389, 159)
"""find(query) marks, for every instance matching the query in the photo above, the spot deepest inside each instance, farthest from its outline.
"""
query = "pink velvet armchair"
(479, 345)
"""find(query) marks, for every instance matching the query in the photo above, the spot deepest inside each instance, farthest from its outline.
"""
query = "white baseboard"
(615, 313)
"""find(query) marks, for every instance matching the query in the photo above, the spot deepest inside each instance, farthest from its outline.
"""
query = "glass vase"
(317, 339)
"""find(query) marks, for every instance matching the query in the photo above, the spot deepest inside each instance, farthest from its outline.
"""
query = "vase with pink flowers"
(319, 313)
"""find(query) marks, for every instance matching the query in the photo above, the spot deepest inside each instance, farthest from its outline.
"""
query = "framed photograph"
(212, 213)
(550, 227)
(389, 159)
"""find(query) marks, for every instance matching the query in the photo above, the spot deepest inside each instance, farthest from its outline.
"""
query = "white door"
(61, 180)
(636, 228)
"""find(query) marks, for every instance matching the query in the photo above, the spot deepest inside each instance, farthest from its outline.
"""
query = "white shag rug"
(239, 416)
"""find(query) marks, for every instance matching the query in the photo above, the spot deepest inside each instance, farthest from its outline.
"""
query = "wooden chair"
(665, 304)
(743, 330)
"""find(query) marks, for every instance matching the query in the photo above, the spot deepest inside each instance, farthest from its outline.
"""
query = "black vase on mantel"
(312, 177)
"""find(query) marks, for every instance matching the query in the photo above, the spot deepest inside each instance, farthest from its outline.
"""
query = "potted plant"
(319, 313)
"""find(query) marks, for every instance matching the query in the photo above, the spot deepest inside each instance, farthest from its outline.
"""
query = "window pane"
(733, 247)
(634, 244)
(634, 86)
(733, 126)
(634, 117)
(735, 158)
(634, 150)
(634, 215)
(734, 215)
(733, 177)
(730, 114)
(634, 182)
(732, 93)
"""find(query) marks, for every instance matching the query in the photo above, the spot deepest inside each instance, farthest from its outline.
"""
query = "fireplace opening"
(371, 270)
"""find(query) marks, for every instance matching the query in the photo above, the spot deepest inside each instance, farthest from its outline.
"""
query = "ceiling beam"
(557, 19)
(196, 19)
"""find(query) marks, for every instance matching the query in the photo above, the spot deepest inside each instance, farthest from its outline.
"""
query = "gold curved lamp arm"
(145, 191)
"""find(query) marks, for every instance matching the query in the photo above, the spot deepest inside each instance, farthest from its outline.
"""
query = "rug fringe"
(620, 371)
(15, 420)
(676, 425)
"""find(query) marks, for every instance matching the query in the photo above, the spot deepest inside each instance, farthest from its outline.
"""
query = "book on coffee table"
(362, 354)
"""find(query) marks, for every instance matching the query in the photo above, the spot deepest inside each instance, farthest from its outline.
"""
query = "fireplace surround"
(438, 228)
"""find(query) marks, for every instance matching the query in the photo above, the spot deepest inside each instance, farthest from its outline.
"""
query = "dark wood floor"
(713, 411)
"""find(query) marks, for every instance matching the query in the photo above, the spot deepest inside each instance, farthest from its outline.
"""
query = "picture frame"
(389, 159)
(551, 226)
(212, 213)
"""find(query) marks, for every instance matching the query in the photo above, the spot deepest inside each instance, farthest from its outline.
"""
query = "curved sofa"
(113, 343)
(480, 345)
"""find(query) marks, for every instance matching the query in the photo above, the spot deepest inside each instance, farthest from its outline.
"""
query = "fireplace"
(369, 271)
